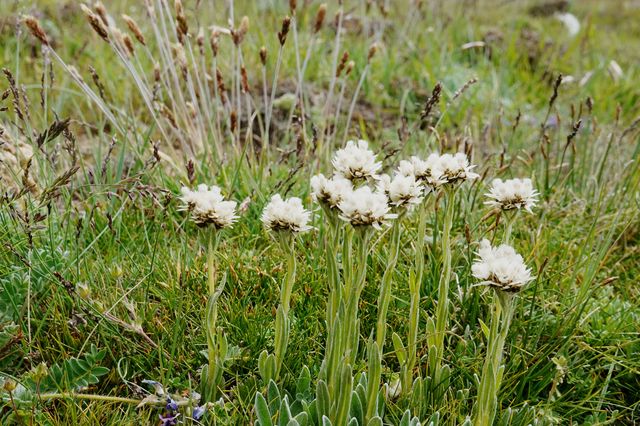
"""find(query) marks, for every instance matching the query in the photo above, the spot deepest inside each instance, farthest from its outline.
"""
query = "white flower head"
(208, 206)
(402, 191)
(286, 215)
(501, 267)
(356, 161)
(329, 192)
(427, 172)
(512, 194)
(456, 168)
(364, 207)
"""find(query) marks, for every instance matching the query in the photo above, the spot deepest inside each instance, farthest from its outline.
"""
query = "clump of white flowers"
(356, 161)
(438, 170)
(286, 215)
(364, 207)
(427, 171)
(456, 168)
(329, 192)
(512, 194)
(208, 206)
(501, 268)
(403, 191)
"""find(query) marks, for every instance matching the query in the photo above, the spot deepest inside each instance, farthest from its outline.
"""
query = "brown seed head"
(234, 120)
(372, 51)
(220, 81)
(245, 79)
(135, 29)
(101, 11)
(239, 33)
(200, 39)
(95, 23)
(322, 12)
(282, 35)
(263, 55)
(182, 27)
(293, 4)
(128, 43)
(34, 26)
(349, 68)
(342, 63)
(214, 42)
(180, 56)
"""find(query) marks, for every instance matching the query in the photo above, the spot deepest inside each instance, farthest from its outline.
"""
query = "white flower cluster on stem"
(286, 215)
(364, 207)
(329, 192)
(512, 194)
(356, 162)
(501, 268)
(439, 170)
(208, 206)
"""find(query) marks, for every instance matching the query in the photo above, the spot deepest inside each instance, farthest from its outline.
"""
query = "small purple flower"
(198, 412)
(169, 420)
(171, 405)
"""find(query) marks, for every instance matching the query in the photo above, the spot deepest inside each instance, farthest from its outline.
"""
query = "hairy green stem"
(492, 370)
(442, 310)
(415, 282)
(508, 226)
(282, 315)
(213, 375)
(89, 397)
(385, 286)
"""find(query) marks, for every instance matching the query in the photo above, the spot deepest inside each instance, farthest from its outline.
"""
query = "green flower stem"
(415, 282)
(337, 334)
(212, 248)
(502, 313)
(89, 397)
(386, 284)
(347, 324)
(332, 350)
(356, 282)
(442, 310)
(333, 272)
(508, 226)
(216, 342)
(282, 314)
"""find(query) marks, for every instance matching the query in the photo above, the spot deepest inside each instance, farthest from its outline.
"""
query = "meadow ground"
(103, 278)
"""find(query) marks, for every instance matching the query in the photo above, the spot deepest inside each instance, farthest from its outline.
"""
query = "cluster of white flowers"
(356, 161)
(512, 194)
(403, 190)
(426, 171)
(456, 168)
(208, 206)
(329, 192)
(501, 267)
(438, 170)
(286, 215)
(364, 207)
(414, 178)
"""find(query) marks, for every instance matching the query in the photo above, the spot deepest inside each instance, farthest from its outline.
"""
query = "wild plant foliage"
(317, 213)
